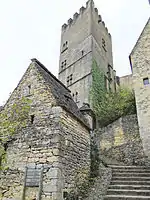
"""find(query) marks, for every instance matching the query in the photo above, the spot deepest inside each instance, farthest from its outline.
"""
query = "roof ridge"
(61, 93)
(46, 70)
(140, 36)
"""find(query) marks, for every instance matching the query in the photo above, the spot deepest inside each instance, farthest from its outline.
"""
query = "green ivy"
(12, 120)
(109, 106)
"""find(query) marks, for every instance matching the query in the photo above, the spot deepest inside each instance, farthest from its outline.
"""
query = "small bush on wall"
(108, 105)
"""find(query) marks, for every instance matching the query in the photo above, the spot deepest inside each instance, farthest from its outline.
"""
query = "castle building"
(44, 157)
(83, 39)
(140, 64)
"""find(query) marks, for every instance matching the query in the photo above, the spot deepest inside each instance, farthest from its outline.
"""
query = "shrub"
(109, 106)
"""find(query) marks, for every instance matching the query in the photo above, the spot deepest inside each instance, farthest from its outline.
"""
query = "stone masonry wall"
(44, 144)
(85, 35)
(140, 59)
(75, 149)
(120, 143)
(36, 145)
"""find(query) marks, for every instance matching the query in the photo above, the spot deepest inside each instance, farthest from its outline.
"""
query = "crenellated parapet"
(100, 21)
(72, 21)
(89, 4)
(76, 15)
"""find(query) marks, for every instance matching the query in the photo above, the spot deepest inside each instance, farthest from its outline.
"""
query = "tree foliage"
(109, 106)
(12, 120)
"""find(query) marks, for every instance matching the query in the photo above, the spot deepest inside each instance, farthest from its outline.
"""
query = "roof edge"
(139, 37)
(34, 60)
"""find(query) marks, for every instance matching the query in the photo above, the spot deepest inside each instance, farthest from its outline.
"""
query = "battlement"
(72, 21)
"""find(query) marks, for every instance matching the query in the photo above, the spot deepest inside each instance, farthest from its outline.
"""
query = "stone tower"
(140, 64)
(84, 39)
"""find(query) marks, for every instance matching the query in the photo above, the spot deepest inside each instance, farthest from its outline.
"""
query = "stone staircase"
(129, 183)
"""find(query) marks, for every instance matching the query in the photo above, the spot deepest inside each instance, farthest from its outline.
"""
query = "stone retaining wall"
(120, 142)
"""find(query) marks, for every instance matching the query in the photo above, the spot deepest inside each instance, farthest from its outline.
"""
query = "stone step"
(129, 174)
(130, 187)
(129, 183)
(126, 197)
(131, 170)
(130, 178)
(128, 192)
(127, 167)
(126, 182)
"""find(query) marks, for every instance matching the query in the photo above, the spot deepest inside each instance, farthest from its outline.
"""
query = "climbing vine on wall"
(109, 106)
(12, 120)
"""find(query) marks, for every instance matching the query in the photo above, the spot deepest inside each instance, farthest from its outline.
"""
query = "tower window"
(104, 44)
(32, 119)
(82, 52)
(146, 81)
(69, 79)
(63, 64)
(29, 89)
(76, 98)
(64, 46)
(109, 73)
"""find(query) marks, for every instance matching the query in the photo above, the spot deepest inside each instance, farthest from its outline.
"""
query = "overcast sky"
(31, 28)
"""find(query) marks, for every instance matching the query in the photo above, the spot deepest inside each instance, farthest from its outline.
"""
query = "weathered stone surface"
(120, 142)
(140, 60)
(42, 144)
(85, 38)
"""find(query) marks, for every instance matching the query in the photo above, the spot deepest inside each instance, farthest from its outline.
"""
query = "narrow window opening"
(109, 73)
(69, 79)
(65, 195)
(104, 44)
(29, 89)
(64, 46)
(146, 81)
(63, 64)
(32, 119)
(76, 98)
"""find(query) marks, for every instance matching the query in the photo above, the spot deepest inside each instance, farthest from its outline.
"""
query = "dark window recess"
(29, 89)
(69, 79)
(76, 97)
(110, 87)
(109, 73)
(63, 64)
(146, 81)
(65, 195)
(32, 119)
(64, 46)
(115, 86)
(104, 44)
